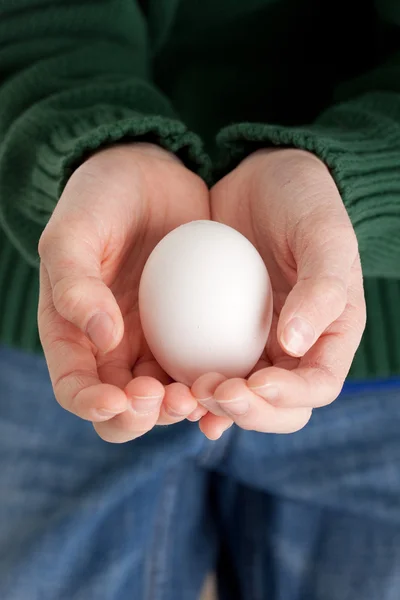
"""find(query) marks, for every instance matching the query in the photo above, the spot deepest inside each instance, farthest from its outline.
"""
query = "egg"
(205, 302)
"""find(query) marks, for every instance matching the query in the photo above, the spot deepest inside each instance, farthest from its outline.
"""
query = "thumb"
(319, 296)
(79, 294)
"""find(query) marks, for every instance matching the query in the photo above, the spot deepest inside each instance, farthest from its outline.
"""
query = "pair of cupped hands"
(115, 208)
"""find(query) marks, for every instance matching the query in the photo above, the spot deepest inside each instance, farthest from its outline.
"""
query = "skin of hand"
(286, 203)
(114, 209)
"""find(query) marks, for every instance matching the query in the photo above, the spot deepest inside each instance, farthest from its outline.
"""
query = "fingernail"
(100, 331)
(173, 413)
(197, 414)
(145, 404)
(235, 407)
(206, 402)
(267, 391)
(298, 336)
(103, 412)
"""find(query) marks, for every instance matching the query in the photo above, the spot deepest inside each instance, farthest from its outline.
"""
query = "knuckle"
(46, 317)
(44, 243)
(326, 295)
(54, 344)
(326, 234)
(67, 388)
(59, 394)
(68, 296)
(333, 229)
(328, 383)
(332, 390)
(356, 320)
(332, 291)
(352, 324)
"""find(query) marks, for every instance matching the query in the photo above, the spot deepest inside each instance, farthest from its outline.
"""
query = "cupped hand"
(114, 209)
(287, 204)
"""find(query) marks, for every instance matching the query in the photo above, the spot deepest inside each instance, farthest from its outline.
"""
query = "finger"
(320, 375)
(197, 414)
(249, 411)
(79, 294)
(203, 390)
(146, 395)
(178, 404)
(324, 265)
(214, 427)
(76, 384)
(72, 365)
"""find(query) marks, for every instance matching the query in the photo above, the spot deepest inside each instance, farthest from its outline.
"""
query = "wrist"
(276, 163)
(151, 150)
(287, 154)
(129, 149)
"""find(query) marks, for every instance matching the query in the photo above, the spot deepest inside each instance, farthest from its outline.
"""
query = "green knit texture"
(353, 139)
(211, 82)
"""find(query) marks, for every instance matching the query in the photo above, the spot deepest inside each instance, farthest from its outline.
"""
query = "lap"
(81, 518)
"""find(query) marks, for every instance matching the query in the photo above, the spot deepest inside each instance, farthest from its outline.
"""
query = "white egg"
(205, 302)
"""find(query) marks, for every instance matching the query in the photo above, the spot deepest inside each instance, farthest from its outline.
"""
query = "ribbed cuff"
(360, 143)
(45, 148)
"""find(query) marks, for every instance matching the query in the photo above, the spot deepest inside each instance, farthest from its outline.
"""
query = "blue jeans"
(309, 516)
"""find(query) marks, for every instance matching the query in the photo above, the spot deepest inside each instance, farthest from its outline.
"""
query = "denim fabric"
(309, 516)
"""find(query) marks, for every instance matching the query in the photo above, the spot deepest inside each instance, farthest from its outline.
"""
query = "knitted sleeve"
(74, 75)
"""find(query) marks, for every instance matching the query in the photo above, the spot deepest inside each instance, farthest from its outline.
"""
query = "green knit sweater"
(212, 81)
